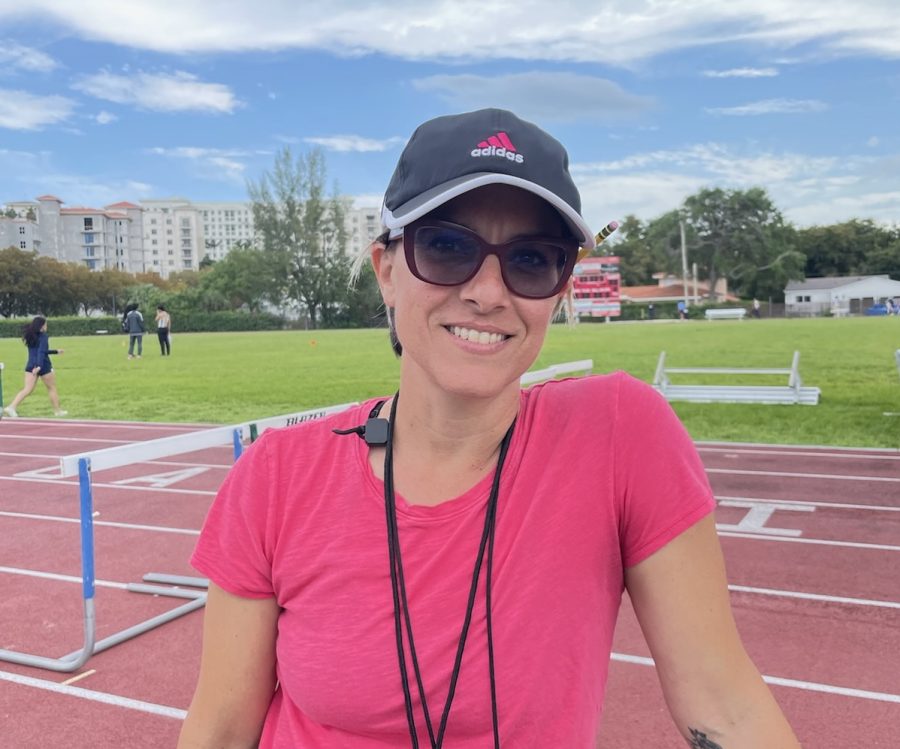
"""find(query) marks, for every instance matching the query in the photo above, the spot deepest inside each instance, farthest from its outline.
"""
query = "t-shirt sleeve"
(234, 549)
(660, 481)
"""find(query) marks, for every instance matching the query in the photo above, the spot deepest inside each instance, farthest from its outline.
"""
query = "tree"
(22, 291)
(244, 277)
(303, 231)
(740, 234)
(856, 247)
(10, 213)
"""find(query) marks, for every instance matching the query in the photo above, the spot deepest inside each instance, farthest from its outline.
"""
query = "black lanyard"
(398, 586)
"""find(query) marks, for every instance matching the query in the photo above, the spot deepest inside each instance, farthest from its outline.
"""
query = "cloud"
(20, 110)
(33, 173)
(220, 164)
(29, 59)
(742, 73)
(808, 189)
(771, 106)
(873, 141)
(355, 143)
(614, 31)
(558, 97)
(160, 92)
(104, 118)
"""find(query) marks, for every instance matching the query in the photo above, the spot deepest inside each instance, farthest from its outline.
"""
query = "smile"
(476, 336)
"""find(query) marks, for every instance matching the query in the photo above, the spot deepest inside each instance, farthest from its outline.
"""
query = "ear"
(384, 261)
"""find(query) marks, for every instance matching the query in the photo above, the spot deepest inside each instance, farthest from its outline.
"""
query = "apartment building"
(224, 225)
(159, 236)
(172, 236)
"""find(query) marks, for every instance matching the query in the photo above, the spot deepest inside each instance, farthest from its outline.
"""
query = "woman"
(341, 569)
(38, 367)
(163, 328)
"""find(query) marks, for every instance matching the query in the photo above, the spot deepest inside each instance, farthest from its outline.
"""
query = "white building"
(159, 236)
(19, 233)
(173, 236)
(837, 294)
(224, 225)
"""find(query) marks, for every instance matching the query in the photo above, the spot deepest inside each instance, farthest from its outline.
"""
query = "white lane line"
(809, 686)
(94, 696)
(789, 474)
(776, 449)
(838, 505)
(138, 463)
(29, 455)
(734, 588)
(794, 453)
(110, 424)
(814, 541)
(105, 523)
(51, 438)
(814, 597)
(123, 487)
(58, 577)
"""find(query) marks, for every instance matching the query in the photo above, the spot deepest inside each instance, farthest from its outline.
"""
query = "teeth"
(476, 336)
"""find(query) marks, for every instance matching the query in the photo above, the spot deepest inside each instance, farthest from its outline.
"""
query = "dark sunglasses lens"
(535, 269)
(444, 255)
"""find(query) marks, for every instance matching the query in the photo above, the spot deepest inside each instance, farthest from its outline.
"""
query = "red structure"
(596, 286)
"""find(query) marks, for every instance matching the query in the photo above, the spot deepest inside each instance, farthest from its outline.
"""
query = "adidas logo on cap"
(498, 145)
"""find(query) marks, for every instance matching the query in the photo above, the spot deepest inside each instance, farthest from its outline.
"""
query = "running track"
(811, 537)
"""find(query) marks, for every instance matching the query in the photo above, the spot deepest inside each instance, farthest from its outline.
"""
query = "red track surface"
(811, 538)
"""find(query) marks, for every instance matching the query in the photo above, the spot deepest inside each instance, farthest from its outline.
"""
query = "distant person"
(682, 310)
(651, 311)
(163, 329)
(38, 367)
(133, 324)
(755, 311)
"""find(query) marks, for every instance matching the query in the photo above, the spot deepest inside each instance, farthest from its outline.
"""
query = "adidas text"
(501, 151)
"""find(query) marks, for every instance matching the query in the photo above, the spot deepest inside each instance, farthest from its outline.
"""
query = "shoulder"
(607, 389)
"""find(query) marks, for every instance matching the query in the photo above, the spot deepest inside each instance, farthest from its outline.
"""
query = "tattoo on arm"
(700, 740)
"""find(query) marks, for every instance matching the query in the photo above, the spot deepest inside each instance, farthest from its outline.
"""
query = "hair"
(129, 308)
(31, 331)
(161, 307)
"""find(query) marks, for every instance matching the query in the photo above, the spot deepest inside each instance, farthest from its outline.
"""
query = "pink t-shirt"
(600, 474)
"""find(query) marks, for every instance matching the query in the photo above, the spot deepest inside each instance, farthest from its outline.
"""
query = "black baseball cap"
(450, 155)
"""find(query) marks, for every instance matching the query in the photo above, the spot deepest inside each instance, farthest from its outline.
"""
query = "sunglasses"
(447, 254)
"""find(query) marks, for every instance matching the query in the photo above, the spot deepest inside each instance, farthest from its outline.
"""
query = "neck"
(444, 444)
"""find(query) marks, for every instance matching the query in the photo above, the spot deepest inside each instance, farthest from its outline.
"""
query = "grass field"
(232, 377)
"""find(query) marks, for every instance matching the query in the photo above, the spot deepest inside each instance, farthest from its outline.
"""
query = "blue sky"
(102, 101)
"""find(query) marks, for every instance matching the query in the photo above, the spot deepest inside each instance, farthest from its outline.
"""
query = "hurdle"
(82, 465)
(1, 389)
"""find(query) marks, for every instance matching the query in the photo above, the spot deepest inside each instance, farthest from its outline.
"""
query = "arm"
(716, 696)
(237, 673)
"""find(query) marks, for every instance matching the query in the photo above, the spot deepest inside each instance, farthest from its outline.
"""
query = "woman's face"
(44, 327)
(477, 338)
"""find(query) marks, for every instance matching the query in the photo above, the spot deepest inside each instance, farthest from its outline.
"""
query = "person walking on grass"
(521, 515)
(133, 324)
(38, 367)
(163, 329)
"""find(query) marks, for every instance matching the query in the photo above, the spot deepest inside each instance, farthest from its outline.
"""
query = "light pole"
(684, 265)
